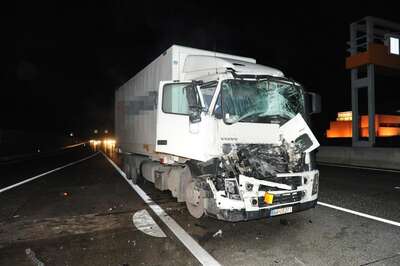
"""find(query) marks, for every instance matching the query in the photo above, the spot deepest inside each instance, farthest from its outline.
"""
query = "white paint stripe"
(360, 167)
(198, 251)
(45, 173)
(74, 145)
(359, 214)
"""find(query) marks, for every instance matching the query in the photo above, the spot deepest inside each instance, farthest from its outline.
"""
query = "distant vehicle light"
(95, 142)
(109, 142)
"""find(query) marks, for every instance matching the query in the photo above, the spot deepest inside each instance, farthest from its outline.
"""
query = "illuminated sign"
(394, 46)
(344, 116)
(393, 43)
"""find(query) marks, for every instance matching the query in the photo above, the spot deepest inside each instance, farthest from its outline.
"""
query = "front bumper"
(251, 203)
(243, 215)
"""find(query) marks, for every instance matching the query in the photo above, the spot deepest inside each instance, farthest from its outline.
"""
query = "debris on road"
(218, 233)
(145, 223)
(32, 256)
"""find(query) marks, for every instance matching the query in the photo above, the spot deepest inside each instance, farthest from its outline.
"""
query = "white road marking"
(360, 167)
(299, 261)
(198, 251)
(74, 145)
(45, 173)
(145, 223)
(360, 214)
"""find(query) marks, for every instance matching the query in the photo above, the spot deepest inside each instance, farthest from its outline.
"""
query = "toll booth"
(373, 47)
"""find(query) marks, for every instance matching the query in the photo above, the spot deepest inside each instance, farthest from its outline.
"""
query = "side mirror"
(315, 103)
(195, 116)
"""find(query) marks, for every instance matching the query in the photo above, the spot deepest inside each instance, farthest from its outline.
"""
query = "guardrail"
(28, 156)
(372, 157)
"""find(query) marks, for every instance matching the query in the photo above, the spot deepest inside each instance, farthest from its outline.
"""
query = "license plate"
(281, 211)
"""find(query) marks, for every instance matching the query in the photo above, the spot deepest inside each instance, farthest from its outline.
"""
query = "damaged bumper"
(243, 215)
(257, 198)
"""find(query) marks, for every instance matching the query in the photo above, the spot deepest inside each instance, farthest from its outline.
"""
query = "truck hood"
(268, 150)
(294, 130)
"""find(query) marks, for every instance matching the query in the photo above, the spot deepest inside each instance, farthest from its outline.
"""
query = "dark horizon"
(69, 61)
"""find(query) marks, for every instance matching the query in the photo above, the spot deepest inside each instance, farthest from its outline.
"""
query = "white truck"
(225, 135)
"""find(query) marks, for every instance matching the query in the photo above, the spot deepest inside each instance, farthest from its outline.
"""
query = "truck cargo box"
(136, 100)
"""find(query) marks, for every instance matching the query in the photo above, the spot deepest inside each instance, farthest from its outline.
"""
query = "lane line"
(360, 167)
(74, 145)
(46, 173)
(198, 251)
(359, 214)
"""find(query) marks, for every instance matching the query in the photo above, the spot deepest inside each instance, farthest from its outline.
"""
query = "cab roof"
(201, 63)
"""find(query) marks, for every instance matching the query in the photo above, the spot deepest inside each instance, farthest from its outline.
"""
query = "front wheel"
(194, 200)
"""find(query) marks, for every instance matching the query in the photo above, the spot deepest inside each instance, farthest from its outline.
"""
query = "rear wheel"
(194, 200)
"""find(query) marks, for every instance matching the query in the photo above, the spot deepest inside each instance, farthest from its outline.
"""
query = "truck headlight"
(315, 184)
(231, 188)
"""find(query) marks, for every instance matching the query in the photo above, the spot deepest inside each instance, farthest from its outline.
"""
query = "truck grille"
(294, 181)
(282, 198)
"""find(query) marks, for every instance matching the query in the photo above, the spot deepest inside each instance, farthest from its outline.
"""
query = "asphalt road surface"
(82, 215)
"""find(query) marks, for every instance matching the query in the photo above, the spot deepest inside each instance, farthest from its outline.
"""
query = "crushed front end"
(255, 181)
(251, 181)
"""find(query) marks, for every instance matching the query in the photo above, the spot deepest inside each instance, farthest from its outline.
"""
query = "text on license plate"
(281, 211)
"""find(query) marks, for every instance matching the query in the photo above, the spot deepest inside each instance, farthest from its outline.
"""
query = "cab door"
(179, 132)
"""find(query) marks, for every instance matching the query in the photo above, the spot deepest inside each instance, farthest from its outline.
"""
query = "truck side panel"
(135, 106)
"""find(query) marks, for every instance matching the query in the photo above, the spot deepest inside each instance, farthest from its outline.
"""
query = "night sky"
(71, 57)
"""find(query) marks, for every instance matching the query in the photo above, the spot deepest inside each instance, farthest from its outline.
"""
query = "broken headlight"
(231, 188)
(315, 184)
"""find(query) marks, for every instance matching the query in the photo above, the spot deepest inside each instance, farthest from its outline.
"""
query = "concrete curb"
(383, 158)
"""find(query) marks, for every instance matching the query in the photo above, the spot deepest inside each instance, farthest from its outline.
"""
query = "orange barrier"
(385, 126)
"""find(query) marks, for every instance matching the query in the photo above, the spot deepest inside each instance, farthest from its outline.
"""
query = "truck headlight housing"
(315, 184)
(231, 188)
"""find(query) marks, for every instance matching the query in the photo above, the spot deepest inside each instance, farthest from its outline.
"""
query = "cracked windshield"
(262, 101)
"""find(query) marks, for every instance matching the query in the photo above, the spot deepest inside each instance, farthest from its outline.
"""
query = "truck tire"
(194, 200)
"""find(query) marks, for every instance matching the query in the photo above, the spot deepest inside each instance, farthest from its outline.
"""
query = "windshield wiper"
(280, 118)
(248, 115)
(264, 115)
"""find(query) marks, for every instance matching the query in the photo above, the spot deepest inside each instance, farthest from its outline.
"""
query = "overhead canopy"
(195, 63)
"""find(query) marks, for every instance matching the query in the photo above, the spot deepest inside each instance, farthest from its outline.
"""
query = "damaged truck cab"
(231, 138)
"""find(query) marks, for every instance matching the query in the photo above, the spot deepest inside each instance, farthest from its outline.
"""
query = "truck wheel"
(194, 200)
